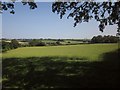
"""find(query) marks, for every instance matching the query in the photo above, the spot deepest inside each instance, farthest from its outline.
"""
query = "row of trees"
(9, 45)
(13, 44)
(104, 39)
(36, 42)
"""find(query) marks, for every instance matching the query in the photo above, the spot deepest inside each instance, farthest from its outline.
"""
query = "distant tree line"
(39, 42)
(104, 39)
(8, 44)
(36, 42)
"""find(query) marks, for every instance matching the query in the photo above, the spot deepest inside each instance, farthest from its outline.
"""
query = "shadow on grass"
(61, 72)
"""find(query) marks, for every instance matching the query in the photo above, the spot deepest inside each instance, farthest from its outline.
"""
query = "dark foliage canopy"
(10, 5)
(106, 13)
(104, 39)
(13, 44)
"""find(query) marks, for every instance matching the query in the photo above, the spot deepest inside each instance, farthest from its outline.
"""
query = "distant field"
(89, 51)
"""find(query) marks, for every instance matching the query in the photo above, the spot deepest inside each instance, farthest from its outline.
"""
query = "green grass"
(33, 68)
(89, 51)
(56, 72)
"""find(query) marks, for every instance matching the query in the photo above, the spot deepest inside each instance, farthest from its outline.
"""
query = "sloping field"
(89, 51)
(75, 66)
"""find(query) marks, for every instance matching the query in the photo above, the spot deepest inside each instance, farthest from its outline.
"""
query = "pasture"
(74, 66)
(89, 51)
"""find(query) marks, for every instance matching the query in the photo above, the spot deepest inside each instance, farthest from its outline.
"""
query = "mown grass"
(89, 51)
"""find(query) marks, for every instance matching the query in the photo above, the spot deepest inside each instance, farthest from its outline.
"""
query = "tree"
(103, 12)
(10, 5)
(58, 43)
(5, 46)
(104, 39)
(36, 42)
(106, 13)
(14, 43)
(9, 45)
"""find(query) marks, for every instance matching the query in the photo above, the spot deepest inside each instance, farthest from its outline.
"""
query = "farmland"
(71, 66)
(90, 51)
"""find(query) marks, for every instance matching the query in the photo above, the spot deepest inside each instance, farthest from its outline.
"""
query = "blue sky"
(43, 23)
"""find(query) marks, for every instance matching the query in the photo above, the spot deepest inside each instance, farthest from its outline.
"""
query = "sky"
(43, 23)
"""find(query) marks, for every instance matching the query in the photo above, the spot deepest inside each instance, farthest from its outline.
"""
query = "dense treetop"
(104, 39)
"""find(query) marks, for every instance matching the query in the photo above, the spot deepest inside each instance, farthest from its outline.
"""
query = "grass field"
(89, 51)
(75, 66)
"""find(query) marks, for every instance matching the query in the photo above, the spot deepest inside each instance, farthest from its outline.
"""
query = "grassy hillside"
(89, 51)
(34, 68)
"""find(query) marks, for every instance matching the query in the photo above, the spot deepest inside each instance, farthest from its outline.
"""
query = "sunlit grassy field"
(89, 51)
(75, 66)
